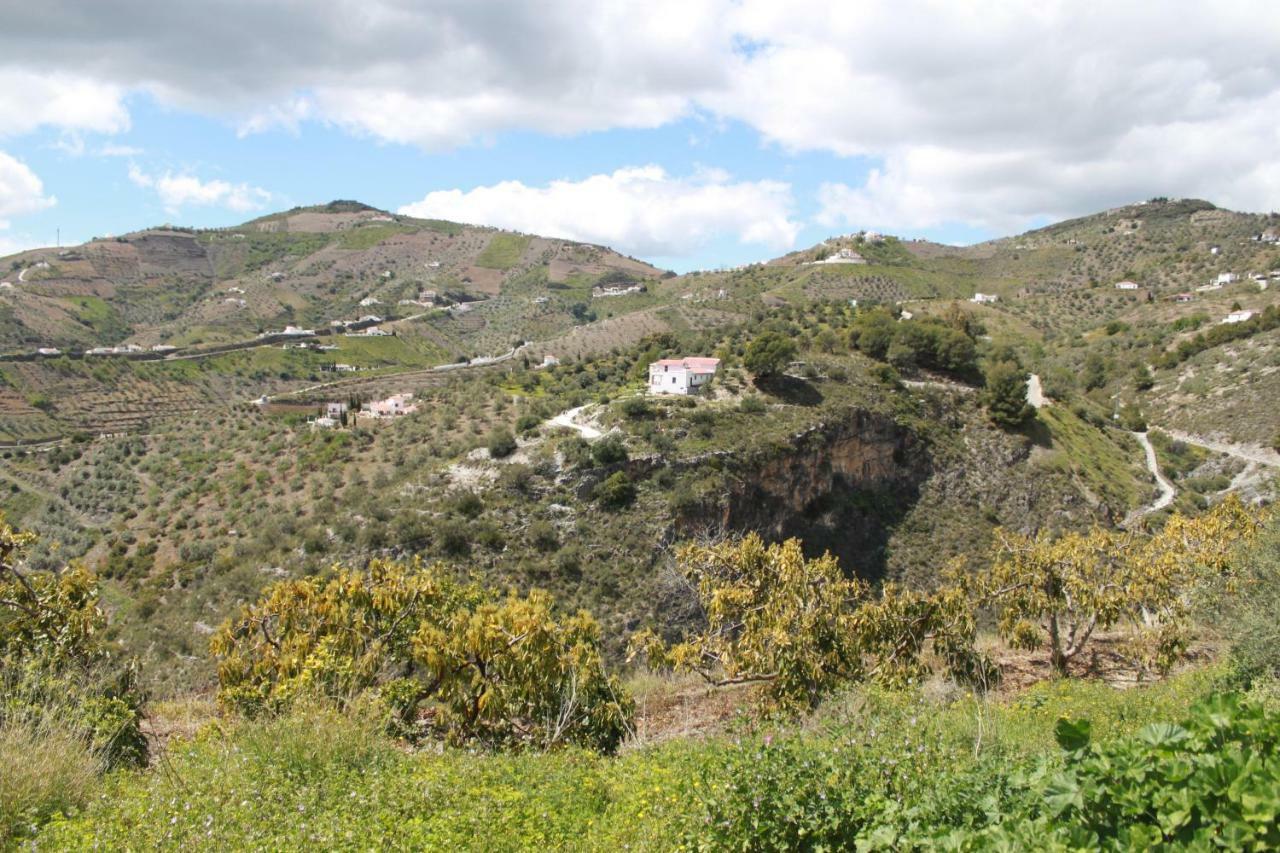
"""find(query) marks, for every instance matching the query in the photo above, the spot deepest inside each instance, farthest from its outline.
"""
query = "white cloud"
(76, 102)
(182, 190)
(988, 113)
(110, 150)
(638, 210)
(21, 190)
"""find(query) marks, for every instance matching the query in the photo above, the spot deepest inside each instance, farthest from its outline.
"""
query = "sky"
(691, 133)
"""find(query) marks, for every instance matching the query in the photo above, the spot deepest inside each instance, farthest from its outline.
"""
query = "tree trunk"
(1057, 658)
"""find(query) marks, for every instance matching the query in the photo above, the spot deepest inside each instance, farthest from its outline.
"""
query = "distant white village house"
(1238, 317)
(1227, 278)
(681, 375)
(985, 297)
(1126, 285)
(550, 360)
(843, 256)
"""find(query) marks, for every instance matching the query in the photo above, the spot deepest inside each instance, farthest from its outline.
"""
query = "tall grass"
(46, 768)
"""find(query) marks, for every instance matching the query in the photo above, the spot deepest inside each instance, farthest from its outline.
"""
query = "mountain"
(309, 265)
(157, 470)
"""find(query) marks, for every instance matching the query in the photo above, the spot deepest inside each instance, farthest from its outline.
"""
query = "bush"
(609, 450)
(1251, 620)
(752, 405)
(635, 408)
(1209, 783)
(501, 443)
(617, 491)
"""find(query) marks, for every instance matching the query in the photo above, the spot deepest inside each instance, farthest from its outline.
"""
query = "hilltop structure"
(681, 375)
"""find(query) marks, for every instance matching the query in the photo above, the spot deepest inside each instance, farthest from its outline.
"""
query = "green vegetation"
(768, 355)
(1005, 395)
(503, 251)
(893, 770)
(479, 668)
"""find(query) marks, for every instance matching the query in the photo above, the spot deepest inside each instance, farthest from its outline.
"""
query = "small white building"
(335, 410)
(1227, 278)
(985, 298)
(1126, 285)
(1238, 317)
(163, 348)
(550, 360)
(681, 375)
(369, 300)
(843, 256)
(48, 351)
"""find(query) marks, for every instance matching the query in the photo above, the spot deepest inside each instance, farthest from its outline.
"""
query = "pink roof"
(695, 363)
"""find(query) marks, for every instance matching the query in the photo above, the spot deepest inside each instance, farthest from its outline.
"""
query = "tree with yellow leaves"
(799, 627)
(1056, 592)
(501, 671)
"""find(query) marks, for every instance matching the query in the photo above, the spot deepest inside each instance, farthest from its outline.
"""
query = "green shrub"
(617, 491)
(1212, 782)
(501, 443)
(609, 450)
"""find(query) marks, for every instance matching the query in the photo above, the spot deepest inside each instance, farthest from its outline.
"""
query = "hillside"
(157, 469)
(426, 628)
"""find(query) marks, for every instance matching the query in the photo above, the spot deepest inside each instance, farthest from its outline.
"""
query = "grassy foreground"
(877, 767)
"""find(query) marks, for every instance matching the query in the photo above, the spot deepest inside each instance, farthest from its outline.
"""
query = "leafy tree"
(768, 354)
(501, 443)
(468, 665)
(1005, 395)
(1057, 591)
(1095, 371)
(799, 627)
(52, 654)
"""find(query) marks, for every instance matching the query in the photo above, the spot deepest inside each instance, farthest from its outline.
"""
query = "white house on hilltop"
(681, 375)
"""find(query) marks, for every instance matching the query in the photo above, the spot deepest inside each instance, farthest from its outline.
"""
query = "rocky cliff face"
(839, 487)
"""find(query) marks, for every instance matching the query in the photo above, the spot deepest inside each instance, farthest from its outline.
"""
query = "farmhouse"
(1227, 278)
(550, 360)
(985, 297)
(681, 375)
(335, 410)
(1126, 285)
(393, 406)
(1184, 297)
(1238, 317)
